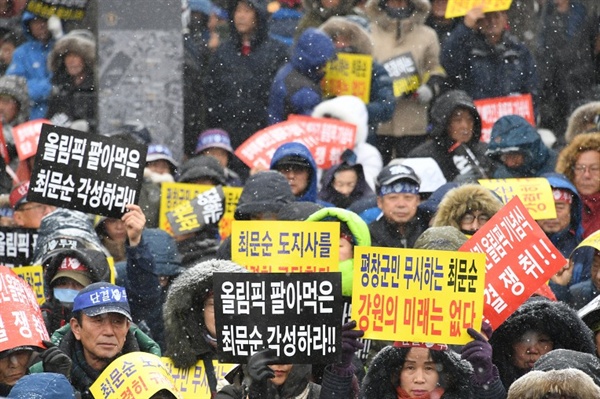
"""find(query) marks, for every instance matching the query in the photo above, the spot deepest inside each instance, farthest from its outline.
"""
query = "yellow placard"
(134, 375)
(276, 247)
(34, 276)
(174, 194)
(348, 74)
(535, 193)
(591, 241)
(192, 382)
(459, 8)
(417, 295)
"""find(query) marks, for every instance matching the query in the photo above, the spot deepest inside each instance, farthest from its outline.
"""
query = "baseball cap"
(213, 138)
(158, 151)
(394, 173)
(292, 160)
(100, 298)
(72, 268)
(18, 195)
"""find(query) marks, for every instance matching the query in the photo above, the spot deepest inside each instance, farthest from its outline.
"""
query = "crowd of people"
(409, 181)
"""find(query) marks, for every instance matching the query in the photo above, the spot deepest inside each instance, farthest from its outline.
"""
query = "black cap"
(393, 173)
(292, 160)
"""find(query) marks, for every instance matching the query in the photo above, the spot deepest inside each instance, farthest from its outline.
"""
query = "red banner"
(326, 139)
(21, 322)
(26, 136)
(492, 109)
(520, 259)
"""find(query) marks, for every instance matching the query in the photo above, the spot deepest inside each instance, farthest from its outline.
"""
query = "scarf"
(435, 394)
(591, 210)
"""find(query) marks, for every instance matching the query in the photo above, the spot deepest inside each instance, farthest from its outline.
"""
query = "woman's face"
(282, 371)
(74, 64)
(586, 172)
(419, 374)
(13, 367)
(528, 349)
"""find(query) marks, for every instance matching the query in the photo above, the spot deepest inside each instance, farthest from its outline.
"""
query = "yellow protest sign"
(134, 375)
(404, 74)
(276, 247)
(348, 74)
(458, 8)
(418, 295)
(592, 240)
(34, 276)
(192, 383)
(535, 193)
(174, 194)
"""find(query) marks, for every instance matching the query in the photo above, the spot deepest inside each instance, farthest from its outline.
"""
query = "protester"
(189, 317)
(30, 61)
(566, 383)
(27, 214)
(345, 184)
(203, 169)
(160, 168)
(535, 328)
(439, 23)
(579, 294)
(518, 149)
(216, 143)
(99, 331)
(351, 109)
(454, 138)
(284, 21)
(72, 63)
(296, 88)
(467, 208)
(410, 49)
(485, 60)
(400, 222)
(580, 162)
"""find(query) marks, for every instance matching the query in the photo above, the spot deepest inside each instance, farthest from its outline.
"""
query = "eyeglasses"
(469, 218)
(581, 169)
(24, 209)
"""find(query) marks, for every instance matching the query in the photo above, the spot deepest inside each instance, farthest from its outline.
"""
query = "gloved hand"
(424, 94)
(479, 353)
(55, 27)
(55, 360)
(258, 372)
(350, 344)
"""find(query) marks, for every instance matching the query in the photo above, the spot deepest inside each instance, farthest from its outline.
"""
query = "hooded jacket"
(75, 101)
(463, 199)
(381, 101)
(352, 110)
(512, 133)
(581, 119)
(467, 160)
(555, 319)
(29, 61)
(315, 14)
(383, 375)
(567, 383)
(298, 149)
(330, 194)
(565, 165)
(236, 85)
(560, 359)
(296, 88)
(16, 87)
(393, 37)
(42, 386)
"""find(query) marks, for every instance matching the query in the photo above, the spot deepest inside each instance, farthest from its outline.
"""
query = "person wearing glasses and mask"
(580, 162)
(467, 207)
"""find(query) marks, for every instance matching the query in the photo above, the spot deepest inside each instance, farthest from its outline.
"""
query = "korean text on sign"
(192, 382)
(90, 173)
(136, 375)
(519, 259)
(21, 322)
(298, 315)
(207, 208)
(417, 295)
(272, 246)
(492, 109)
(534, 192)
(16, 246)
(348, 74)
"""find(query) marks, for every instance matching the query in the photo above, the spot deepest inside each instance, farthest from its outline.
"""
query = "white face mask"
(65, 295)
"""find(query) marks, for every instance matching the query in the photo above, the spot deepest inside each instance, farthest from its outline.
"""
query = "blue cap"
(100, 298)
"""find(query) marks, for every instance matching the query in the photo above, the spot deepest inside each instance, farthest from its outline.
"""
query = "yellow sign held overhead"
(535, 193)
(348, 74)
(459, 8)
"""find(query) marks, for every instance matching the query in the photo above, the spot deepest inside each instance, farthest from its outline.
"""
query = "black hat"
(203, 167)
(292, 160)
(393, 173)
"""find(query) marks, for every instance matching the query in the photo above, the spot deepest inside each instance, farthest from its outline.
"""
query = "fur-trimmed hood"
(555, 319)
(16, 87)
(560, 359)
(314, 7)
(80, 42)
(359, 38)
(459, 200)
(349, 109)
(569, 383)
(581, 118)
(383, 376)
(376, 13)
(185, 330)
(568, 156)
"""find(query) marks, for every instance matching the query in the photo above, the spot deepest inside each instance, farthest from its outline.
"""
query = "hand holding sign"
(479, 353)
(259, 372)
